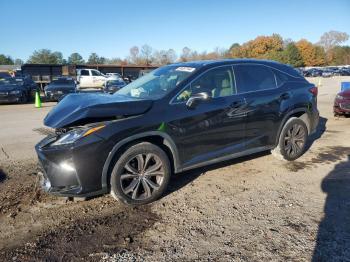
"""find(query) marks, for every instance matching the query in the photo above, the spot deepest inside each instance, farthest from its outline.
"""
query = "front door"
(85, 78)
(214, 128)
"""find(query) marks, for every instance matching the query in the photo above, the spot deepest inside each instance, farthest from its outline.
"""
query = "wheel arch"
(301, 113)
(158, 138)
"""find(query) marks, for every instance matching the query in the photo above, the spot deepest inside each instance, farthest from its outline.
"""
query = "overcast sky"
(110, 28)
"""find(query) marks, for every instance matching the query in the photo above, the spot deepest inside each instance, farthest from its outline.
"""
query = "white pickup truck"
(91, 78)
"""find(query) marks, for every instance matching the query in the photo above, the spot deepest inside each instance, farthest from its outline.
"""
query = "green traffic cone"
(37, 100)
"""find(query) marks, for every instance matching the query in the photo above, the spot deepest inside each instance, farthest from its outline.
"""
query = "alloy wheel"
(142, 175)
(294, 140)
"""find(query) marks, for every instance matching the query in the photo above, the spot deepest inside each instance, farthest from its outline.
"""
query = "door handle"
(237, 104)
(284, 96)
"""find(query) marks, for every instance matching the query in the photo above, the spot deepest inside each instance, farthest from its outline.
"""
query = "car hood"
(79, 109)
(8, 88)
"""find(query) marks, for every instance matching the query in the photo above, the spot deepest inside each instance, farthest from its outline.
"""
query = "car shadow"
(180, 180)
(333, 239)
(2, 176)
(177, 181)
(343, 116)
(321, 128)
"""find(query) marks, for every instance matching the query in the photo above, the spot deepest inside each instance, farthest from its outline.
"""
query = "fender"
(286, 117)
(168, 141)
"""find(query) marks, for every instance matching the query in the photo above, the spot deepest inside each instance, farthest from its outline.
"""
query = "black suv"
(177, 117)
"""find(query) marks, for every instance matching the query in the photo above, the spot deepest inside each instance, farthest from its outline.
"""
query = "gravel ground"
(255, 208)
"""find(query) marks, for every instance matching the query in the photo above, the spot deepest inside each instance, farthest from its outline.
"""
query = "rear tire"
(141, 175)
(292, 140)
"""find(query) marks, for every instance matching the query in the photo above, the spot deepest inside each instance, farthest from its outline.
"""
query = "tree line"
(327, 51)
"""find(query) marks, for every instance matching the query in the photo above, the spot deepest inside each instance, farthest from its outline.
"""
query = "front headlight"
(339, 97)
(15, 92)
(74, 135)
(70, 137)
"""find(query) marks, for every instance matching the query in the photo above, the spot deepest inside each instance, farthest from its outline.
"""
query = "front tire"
(141, 174)
(24, 98)
(292, 140)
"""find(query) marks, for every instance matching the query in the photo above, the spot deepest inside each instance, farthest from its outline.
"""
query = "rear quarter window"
(281, 78)
(283, 75)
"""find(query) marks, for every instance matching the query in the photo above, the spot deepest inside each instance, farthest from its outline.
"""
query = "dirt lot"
(255, 208)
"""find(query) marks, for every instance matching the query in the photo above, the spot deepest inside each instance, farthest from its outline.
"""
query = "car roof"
(226, 61)
(201, 63)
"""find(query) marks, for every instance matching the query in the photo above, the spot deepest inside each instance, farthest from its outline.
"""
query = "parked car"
(4, 75)
(28, 84)
(129, 78)
(343, 72)
(11, 91)
(313, 72)
(60, 88)
(328, 72)
(144, 72)
(176, 118)
(90, 78)
(112, 86)
(113, 76)
(342, 103)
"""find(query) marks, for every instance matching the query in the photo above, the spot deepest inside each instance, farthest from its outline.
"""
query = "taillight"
(314, 90)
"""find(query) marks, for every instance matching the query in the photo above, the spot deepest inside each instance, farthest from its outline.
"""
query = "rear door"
(263, 93)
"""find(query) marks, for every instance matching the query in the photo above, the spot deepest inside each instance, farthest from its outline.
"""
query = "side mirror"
(195, 99)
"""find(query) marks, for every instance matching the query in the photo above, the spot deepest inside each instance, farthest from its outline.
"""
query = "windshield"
(157, 83)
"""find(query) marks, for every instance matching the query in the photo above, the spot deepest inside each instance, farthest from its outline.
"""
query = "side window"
(281, 78)
(218, 82)
(84, 72)
(254, 78)
(95, 73)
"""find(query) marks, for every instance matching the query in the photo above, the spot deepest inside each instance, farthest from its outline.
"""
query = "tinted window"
(218, 82)
(281, 78)
(254, 78)
(84, 72)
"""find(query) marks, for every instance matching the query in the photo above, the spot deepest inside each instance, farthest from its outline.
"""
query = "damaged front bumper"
(71, 170)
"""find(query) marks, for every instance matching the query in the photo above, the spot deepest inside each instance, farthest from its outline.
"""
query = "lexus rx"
(177, 117)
